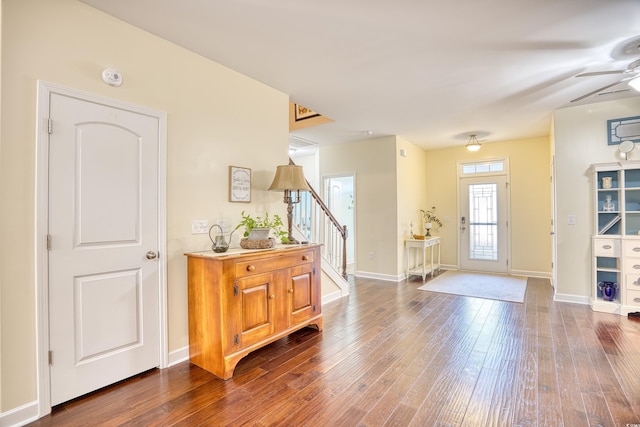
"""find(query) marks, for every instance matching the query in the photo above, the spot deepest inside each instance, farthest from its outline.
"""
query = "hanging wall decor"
(239, 184)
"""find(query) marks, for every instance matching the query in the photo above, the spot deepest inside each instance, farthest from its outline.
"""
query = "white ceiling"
(429, 71)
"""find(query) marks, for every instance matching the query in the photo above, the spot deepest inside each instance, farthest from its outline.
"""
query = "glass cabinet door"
(608, 200)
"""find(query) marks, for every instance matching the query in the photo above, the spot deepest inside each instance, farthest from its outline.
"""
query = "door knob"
(152, 255)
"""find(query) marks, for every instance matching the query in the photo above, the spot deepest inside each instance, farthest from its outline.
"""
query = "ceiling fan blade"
(613, 92)
(596, 91)
(600, 73)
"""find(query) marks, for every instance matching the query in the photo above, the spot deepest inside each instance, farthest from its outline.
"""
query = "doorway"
(483, 219)
(339, 195)
(101, 246)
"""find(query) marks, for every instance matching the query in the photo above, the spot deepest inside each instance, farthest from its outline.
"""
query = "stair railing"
(313, 218)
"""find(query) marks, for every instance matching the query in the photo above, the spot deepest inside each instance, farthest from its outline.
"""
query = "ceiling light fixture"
(473, 144)
(635, 83)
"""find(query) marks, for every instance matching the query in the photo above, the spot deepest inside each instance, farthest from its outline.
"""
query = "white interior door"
(104, 285)
(483, 224)
(339, 195)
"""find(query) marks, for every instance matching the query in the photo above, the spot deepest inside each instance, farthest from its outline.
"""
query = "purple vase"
(608, 290)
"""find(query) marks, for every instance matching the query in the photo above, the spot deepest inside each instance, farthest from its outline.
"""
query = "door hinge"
(50, 357)
(236, 339)
(235, 291)
(48, 242)
(314, 271)
(49, 126)
(314, 307)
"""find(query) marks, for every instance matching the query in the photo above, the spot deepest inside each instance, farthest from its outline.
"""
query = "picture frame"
(624, 129)
(239, 184)
(303, 113)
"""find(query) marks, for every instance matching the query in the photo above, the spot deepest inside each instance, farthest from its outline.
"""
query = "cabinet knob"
(636, 266)
(305, 258)
(636, 249)
(290, 291)
(636, 300)
(636, 283)
(272, 296)
(251, 267)
(606, 246)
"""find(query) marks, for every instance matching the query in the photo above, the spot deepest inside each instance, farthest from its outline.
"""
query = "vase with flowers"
(429, 217)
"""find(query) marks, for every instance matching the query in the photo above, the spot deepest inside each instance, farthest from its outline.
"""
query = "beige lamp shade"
(289, 177)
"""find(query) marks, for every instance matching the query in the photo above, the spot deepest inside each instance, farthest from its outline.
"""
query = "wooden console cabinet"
(240, 301)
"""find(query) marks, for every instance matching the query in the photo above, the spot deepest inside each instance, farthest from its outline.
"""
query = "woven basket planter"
(257, 244)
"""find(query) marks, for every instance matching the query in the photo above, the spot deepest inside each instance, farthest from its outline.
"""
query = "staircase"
(314, 222)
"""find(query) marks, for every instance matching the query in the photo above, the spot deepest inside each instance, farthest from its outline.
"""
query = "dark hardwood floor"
(393, 355)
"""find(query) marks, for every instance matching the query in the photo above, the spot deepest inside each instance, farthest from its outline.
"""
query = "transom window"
(491, 167)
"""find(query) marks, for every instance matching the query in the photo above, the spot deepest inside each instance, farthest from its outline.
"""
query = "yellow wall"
(209, 128)
(530, 199)
(580, 135)
(412, 194)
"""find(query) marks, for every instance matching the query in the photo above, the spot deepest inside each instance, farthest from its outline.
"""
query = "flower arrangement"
(429, 217)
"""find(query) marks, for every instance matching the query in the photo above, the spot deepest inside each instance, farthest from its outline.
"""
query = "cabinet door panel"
(302, 294)
(254, 302)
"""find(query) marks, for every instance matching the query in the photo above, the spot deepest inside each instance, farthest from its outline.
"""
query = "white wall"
(580, 135)
(373, 161)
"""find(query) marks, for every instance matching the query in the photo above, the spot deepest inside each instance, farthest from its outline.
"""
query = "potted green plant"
(258, 228)
(429, 217)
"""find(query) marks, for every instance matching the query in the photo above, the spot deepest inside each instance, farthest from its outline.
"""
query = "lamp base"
(291, 241)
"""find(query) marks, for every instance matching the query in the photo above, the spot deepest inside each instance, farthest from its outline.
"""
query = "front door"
(104, 285)
(483, 223)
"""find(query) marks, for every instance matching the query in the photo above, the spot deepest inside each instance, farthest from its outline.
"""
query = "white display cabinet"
(616, 238)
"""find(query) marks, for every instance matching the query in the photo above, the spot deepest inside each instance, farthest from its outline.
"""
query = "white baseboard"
(333, 296)
(576, 299)
(20, 416)
(178, 356)
(378, 276)
(537, 274)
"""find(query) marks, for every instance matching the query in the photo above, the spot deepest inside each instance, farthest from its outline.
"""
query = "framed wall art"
(303, 113)
(625, 129)
(239, 184)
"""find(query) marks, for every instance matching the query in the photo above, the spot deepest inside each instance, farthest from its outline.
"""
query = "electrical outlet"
(371, 255)
(571, 220)
(199, 226)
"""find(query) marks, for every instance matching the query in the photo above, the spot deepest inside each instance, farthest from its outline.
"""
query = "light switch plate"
(199, 226)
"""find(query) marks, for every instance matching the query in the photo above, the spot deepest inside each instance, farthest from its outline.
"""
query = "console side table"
(417, 248)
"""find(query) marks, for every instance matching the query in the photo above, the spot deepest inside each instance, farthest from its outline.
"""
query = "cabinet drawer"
(632, 266)
(258, 266)
(632, 249)
(633, 298)
(606, 247)
(632, 281)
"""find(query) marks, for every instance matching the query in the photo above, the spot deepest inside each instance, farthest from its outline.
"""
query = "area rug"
(480, 285)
